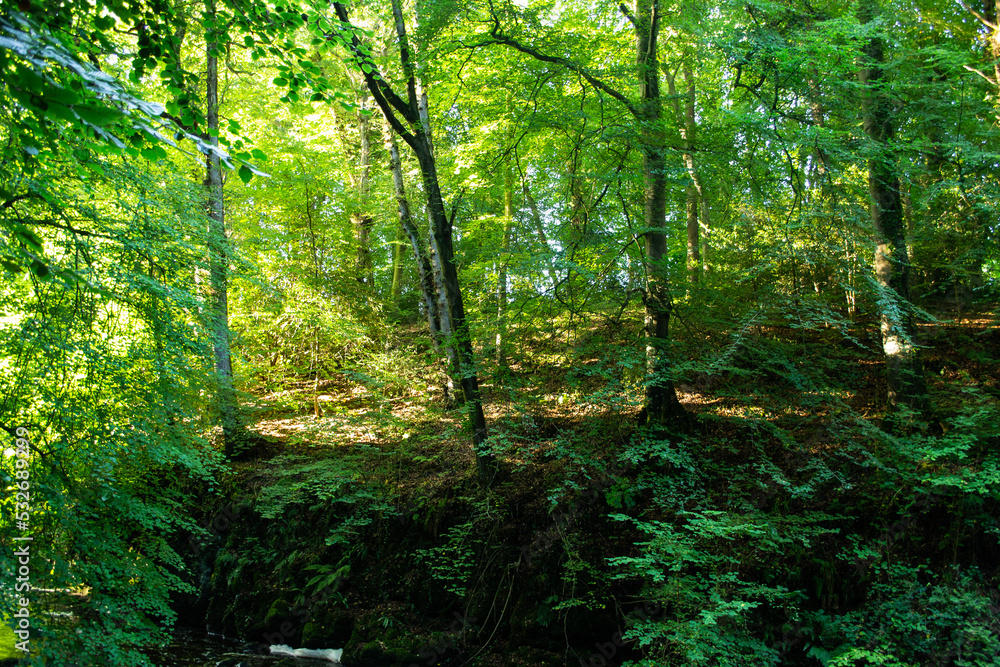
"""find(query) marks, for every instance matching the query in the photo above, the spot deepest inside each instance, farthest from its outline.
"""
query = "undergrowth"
(791, 525)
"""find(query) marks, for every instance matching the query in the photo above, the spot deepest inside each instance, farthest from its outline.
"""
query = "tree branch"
(974, 70)
(404, 55)
(498, 37)
(982, 19)
(626, 13)
(384, 96)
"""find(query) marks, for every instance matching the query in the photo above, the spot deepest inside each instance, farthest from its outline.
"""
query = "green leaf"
(153, 153)
(27, 237)
(6, 263)
(99, 116)
(245, 174)
(104, 23)
(40, 269)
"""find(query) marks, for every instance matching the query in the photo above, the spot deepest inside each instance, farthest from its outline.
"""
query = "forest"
(500, 332)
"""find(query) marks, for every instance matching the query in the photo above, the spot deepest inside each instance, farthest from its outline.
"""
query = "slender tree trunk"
(425, 272)
(693, 247)
(536, 219)
(361, 220)
(218, 248)
(418, 138)
(447, 327)
(577, 201)
(508, 221)
(904, 367)
(698, 218)
(461, 336)
(690, 127)
(396, 290)
(704, 224)
(363, 271)
(662, 406)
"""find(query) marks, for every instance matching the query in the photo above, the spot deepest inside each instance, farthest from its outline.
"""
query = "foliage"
(452, 561)
(948, 620)
(792, 521)
(104, 370)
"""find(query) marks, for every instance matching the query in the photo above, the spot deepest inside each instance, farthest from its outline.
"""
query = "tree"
(904, 367)
(100, 357)
(416, 134)
(698, 214)
(218, 247)
(661, 404)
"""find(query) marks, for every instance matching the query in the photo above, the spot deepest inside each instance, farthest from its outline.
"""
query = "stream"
(190, 648)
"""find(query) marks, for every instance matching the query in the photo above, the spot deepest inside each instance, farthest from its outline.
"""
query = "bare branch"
(973, 69)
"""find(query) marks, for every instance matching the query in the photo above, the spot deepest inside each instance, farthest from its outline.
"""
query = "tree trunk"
(693, 249)
(218, 248)
(418, 138)
(578, 215)
(508, 221)
(703, 223)
(662, 406)
(444, 311)
(362, 222)
(425, 271)
(363, 271)
(536, 219)
(904, 367)
(696, 203)
(396, 289)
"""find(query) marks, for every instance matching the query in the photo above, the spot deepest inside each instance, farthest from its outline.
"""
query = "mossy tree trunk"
(218, 248)
(904, 366)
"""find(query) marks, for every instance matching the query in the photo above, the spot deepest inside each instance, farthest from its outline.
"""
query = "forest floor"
(367, 489)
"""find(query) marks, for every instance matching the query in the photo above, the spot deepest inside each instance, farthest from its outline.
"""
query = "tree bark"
(904, 366)
(218, 249)
(698, 224)
(425, 270)
(578, 215)
(396, 289)
(704, 222)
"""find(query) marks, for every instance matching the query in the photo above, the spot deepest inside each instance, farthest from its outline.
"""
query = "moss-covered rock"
(328, 629)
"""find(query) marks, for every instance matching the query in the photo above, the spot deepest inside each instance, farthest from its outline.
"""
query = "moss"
(278, 613)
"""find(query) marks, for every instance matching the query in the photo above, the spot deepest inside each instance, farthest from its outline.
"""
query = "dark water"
(192, 649)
